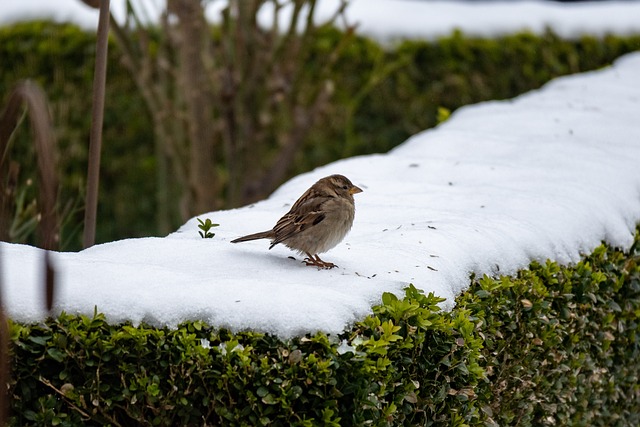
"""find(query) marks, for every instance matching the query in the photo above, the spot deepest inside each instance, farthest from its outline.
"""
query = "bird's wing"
(302, 216)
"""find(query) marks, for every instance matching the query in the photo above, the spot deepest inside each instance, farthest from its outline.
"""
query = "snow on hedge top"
(548, 175)
(411, 19)
(390, 19)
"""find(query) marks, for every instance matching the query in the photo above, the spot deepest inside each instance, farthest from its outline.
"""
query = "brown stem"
(32, 95)
(95, 137)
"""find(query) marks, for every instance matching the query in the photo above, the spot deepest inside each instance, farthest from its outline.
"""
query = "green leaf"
(262, 392)
(30, 415)
(388, 298)
(56, 354)
(482, 293)
(269, 399)
(41, 340)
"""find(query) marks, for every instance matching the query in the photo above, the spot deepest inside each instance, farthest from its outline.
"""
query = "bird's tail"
(255, 236)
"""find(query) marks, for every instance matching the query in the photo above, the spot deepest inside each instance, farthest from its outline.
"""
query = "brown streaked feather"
(291, 224)
(305, 212)
(255, 236)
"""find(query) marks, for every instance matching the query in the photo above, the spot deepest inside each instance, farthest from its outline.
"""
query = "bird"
(316, 222)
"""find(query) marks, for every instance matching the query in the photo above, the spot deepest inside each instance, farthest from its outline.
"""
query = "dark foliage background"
(381, 96)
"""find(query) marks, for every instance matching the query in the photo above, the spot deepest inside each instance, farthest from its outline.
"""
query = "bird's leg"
(314, 260)
(326, 264)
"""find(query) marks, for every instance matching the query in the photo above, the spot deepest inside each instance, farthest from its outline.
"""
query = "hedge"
(554, 345)
(561, 345)
(410, 82)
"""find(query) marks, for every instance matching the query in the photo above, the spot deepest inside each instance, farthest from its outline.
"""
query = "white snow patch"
(387, 20)
(549, 174)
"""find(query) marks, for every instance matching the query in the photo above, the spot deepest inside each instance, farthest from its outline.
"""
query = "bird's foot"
(315, 261)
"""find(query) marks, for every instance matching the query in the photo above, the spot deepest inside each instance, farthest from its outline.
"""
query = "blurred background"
(204, 114)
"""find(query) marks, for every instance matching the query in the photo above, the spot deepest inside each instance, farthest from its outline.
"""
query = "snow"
(391, 19)
(549, 174)
(432, 19)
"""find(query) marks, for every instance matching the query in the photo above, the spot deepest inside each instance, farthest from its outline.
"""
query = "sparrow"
(316, 222)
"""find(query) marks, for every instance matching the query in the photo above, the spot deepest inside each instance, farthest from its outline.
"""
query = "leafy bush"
(382, 96)
(552, 346)
(562, 344)
(407, 362)
(459, 70)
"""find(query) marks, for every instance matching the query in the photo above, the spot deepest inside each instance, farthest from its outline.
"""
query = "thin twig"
(64, 397)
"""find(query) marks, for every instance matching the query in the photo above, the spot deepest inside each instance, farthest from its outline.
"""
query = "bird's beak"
(354, 190)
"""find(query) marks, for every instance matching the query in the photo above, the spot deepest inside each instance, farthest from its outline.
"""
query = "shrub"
(561, 344)
(407, 362)
(554, 345)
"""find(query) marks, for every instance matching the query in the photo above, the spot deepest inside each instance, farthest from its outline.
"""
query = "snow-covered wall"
(549, 174)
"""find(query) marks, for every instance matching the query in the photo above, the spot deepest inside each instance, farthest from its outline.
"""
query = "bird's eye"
(344, 187)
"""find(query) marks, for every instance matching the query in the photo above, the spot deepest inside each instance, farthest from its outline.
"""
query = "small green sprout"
(442, 115)
(205, 226)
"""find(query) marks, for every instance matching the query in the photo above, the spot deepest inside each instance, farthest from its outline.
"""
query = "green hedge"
(552, 346)
(411, 362)
(410, 82)
(562, 345)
